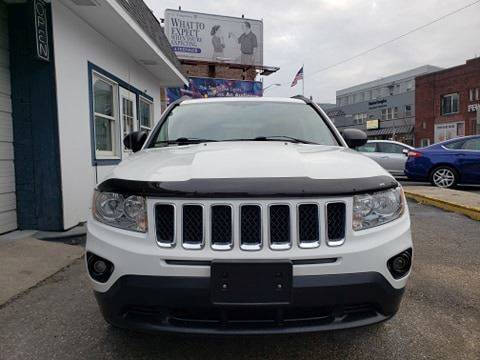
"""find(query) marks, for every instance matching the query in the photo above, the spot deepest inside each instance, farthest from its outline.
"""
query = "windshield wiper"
(184, 141)
(276, 138)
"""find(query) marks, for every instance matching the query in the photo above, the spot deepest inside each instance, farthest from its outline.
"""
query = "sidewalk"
(26, 261)
(462, 202)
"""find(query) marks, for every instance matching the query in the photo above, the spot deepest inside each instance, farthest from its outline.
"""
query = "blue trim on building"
(94, 68)
(35, 124)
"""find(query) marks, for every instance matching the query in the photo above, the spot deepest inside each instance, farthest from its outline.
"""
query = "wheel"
(444, 177)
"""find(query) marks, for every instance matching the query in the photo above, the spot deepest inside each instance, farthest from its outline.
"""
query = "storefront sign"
(377, 104)
(448, 131)
(373, 124)
(209, 87)
(41, 31)
(473, 107)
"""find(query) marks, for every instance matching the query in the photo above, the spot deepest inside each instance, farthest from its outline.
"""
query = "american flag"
(299, 76)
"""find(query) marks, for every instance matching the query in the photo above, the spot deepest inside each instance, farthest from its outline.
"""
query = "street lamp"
(269, 86)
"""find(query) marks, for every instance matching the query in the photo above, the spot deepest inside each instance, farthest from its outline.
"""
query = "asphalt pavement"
(439, 317)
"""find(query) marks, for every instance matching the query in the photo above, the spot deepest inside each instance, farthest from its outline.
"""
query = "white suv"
(248, 216)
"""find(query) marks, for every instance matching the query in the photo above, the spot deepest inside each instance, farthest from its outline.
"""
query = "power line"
(396, 38)
(393, 39)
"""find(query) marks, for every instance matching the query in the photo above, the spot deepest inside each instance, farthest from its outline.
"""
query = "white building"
(74, 78)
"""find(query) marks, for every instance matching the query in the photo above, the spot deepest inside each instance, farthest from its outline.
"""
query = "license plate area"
(251, 283)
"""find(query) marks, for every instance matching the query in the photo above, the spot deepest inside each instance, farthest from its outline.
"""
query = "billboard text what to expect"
(215, 38)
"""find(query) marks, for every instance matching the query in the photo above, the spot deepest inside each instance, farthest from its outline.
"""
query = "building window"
(408, 110)
(375, 93)
(359, 119)
(449, 104)
(350, 99)
(128, 116)
(368, 95)
(410, 85)
(424, 142)
(146, 114)
(474, 94)
(116, 109)
(105, 113)
(358, 97)
(390, 113)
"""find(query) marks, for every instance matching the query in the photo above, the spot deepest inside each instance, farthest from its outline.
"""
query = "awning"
(133, 28)
(404, 129)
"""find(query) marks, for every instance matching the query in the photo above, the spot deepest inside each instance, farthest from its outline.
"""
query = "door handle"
(385, 157)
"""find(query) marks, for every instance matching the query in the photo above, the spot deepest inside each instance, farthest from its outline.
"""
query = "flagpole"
(303, 80)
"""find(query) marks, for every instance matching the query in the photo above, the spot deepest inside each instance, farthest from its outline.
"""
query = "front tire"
(444, 177)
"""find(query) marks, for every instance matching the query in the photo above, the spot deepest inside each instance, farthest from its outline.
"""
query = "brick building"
(447, 103)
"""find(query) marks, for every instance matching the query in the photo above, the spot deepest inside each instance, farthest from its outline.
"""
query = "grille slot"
(192, 226)
(165, 225)
(250, 227)
(280, 227)
(335, 223)
(221, 227)
(308, 226)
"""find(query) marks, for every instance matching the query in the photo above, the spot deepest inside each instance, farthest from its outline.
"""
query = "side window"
(106, 113)
(472, 144)
(454, 145)
(390, 148)
(146, 114)
(369, 147)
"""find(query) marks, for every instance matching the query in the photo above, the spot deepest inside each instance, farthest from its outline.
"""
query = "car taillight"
(414, 154)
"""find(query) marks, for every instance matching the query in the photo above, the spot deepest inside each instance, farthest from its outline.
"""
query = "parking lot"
(439, 317)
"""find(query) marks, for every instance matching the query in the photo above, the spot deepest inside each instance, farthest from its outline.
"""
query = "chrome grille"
(335, 223)
(308, 226)
(221, 227)
(280, 227)
(165, 224)
(192, 226)
(249, 226)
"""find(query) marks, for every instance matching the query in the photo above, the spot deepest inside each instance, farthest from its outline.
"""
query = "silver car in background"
(391, 155)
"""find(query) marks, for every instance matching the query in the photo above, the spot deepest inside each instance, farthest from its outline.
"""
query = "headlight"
(125, 212)
(378, 208)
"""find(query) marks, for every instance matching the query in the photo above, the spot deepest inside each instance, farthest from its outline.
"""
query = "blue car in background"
(446, 164)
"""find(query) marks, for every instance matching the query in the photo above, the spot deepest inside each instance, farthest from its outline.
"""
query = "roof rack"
(301, 97)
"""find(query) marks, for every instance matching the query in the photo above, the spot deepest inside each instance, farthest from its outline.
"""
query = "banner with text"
(210, 87)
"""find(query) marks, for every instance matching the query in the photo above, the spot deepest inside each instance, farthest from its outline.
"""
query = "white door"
(128, 115)
(8, 203)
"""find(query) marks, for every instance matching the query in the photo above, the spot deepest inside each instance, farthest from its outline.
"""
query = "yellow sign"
(373, 124)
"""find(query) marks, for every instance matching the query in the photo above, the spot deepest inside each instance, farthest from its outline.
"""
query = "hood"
(246, 160)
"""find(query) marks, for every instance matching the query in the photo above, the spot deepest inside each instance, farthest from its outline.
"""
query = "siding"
(8, 213)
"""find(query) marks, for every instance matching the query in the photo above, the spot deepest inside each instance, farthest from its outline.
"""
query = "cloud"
(319, 33)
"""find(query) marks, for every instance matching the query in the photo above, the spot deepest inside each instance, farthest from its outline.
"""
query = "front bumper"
(183, 305)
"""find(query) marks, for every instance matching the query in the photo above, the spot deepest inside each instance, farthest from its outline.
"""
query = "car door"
(468, 160)
(370, 150)
(392, 157)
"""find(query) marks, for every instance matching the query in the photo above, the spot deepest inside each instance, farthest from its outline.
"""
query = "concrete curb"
(471, 212)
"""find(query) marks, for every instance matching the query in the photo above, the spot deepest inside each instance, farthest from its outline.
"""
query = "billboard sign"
(214, 38)
(209, 87)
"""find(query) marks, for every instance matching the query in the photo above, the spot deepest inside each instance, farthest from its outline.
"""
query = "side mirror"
(405, 152)
(135, 140)
(354, 137)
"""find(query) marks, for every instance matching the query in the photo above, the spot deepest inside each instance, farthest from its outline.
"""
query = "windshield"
(219, 121)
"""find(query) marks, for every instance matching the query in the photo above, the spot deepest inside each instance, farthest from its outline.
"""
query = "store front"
(81, 77)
